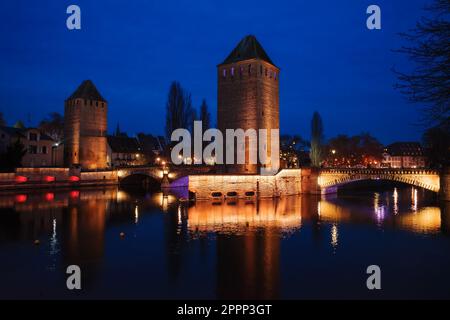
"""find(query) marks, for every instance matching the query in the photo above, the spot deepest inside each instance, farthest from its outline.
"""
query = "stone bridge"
(331, 179)
(161, 174)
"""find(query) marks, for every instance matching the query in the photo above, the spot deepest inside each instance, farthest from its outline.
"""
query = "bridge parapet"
(424, 178)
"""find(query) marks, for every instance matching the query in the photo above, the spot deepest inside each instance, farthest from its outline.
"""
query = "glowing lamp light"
(74, 194)
(74, 179)
(21, 198)
(49, 196)
(49, 179)
(21, 179)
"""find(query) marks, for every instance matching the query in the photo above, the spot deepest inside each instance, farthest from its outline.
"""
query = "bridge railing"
(379, 171)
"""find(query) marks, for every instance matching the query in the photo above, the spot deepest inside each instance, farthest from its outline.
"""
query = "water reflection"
(247, 237)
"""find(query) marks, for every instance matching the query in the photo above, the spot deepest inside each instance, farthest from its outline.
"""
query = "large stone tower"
(85, 128)
(248, 96)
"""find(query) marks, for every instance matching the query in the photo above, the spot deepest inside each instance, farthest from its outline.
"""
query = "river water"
(300, 247)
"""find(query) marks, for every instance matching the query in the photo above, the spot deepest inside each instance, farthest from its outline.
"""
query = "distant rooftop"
(247, 48)
(21, 132)
(87, 90)
(405, 149)
(124, 144)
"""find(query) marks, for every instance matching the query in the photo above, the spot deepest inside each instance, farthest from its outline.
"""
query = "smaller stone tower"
(85, 128)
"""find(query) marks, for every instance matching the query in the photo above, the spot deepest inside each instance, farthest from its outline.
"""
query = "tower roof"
(247, 48)
(87, 90)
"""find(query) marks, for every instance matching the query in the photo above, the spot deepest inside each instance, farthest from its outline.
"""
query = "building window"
(33, 136)
(224, 73)
(249, 69)
(275, 75)
(32, 149)
(261, 69)
(232, 71)
(44, 150)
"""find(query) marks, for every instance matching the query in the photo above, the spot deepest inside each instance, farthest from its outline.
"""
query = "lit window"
(224, 73)
(232, 72)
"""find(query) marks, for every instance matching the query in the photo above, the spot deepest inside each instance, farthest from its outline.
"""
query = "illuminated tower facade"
(248, 96)
(85, 128)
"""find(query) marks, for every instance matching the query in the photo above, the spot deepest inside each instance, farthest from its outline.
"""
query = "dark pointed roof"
(87, 90)
(247, 48)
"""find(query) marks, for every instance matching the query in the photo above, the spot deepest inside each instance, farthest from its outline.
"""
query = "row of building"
(43, 151)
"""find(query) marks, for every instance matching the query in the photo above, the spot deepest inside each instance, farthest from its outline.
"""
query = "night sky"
(132, 50)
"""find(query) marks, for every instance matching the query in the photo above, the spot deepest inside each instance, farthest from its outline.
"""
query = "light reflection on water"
(239, 249)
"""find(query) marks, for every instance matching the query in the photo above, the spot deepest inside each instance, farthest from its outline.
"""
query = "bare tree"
(205, 116)
(53, 125)
(429, 82)
(179, 111)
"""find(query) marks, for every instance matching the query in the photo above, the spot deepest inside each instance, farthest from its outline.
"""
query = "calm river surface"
(290, 248)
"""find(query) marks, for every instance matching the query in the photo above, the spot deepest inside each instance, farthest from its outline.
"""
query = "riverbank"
(40, 178)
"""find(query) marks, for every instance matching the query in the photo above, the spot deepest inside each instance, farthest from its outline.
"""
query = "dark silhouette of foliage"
(205, 116)
(12, 158)
(317, 140)
(179, 111)
(2, 120)
(437, 144)
(19, 125)
(429, 82)
(359, 150)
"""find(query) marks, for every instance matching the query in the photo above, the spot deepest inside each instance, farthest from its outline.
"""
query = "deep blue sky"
(132, 50)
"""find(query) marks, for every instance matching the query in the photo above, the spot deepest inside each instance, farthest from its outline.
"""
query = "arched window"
(224, 73)
(232, 71)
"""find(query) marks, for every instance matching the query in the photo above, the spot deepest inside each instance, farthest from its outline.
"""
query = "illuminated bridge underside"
(332, 178)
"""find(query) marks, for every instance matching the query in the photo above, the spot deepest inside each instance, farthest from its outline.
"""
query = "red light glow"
(75, 194)
(21, 179)
(49, 179)
(21, 198)
(74, 178)
(49, 196)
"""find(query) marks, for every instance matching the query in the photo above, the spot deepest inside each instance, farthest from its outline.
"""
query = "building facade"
(248, 98)
(85, 128)
(124, 152)
(404, 155)
(40, 148)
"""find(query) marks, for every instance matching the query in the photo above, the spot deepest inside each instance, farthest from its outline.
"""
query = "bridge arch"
(331, 179)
